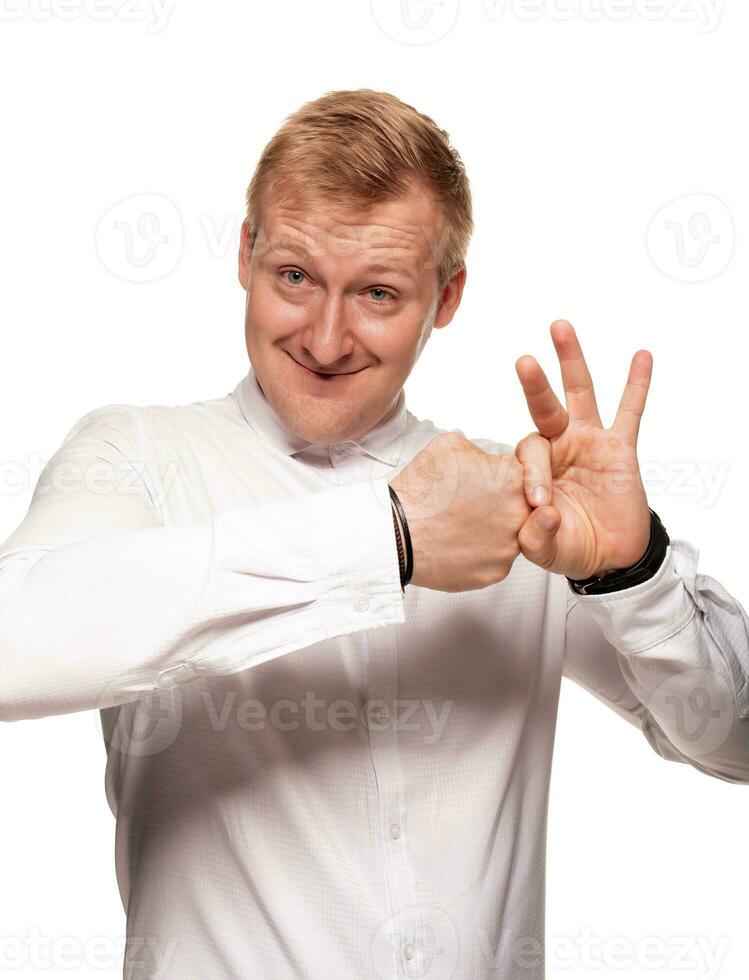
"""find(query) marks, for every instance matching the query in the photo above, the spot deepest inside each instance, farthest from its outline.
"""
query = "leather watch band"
(641, 571)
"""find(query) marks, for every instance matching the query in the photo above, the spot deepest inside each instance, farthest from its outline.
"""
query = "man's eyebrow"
(297, 248)
(285, 245)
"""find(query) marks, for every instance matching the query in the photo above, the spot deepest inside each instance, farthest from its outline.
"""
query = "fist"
(464, 508)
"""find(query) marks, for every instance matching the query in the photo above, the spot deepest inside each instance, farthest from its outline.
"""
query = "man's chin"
(313, 427)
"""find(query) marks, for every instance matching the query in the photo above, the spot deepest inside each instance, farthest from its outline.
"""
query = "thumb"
(536, 537)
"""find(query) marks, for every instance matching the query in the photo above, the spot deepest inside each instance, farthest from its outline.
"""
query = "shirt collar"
(265, 422)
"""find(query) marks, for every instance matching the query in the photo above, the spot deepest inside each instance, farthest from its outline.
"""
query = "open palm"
(597, 495)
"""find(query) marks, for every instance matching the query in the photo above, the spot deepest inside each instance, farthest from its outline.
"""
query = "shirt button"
(408, 951)
(361, 604)
(339, 446)
(395, 830)
(381, 713)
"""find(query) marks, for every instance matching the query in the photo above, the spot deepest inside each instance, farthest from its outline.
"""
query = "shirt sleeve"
(671, 655)
(101, 603)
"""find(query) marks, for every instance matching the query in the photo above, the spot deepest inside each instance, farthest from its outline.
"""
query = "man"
(318, 767)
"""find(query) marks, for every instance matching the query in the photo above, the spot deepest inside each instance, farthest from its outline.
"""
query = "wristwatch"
(641, 571)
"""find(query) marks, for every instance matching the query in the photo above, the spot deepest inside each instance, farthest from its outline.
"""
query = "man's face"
(339, 307)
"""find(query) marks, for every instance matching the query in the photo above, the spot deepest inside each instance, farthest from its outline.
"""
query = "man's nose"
(328, 337)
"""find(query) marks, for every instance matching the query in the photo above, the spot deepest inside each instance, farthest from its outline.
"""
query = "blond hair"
(358, 148)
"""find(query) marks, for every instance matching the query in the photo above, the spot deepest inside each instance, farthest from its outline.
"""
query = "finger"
(548, 414)
(536, 542)
(632, 403)
(534, 452)
(576, 379)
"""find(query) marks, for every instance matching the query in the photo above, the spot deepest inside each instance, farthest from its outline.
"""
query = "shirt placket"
(402, 926)
(395, 946)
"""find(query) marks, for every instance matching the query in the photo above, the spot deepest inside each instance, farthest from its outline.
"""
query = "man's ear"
(245, 251)
(450, 298)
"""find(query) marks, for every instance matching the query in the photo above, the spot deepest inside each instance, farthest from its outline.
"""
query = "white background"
(578, 121)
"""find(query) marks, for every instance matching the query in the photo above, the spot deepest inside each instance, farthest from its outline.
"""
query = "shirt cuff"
(637, 618)
(363, 571)
(296, 571)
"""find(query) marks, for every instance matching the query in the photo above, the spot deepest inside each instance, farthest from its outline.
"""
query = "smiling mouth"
(325, 374)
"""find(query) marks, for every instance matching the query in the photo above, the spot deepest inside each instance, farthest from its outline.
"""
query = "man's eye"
(385, 294)
(293, 272)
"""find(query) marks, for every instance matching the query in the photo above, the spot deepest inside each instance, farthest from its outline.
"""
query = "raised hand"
(596, 510)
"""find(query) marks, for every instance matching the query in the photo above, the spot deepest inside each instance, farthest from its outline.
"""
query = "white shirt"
(315, 775)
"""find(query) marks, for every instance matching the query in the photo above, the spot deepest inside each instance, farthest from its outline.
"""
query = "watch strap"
(625, 578)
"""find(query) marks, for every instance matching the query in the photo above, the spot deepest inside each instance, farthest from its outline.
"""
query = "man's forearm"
(683, 646)
(108, 619)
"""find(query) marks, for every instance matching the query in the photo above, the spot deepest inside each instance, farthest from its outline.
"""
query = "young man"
(318, 767)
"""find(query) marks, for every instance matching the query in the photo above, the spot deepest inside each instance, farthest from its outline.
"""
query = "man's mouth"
(329, 376)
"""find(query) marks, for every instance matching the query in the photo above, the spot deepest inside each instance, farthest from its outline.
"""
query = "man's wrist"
(625, 578)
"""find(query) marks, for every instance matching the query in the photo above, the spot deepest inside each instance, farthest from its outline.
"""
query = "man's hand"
(597, 510)
(464, 509)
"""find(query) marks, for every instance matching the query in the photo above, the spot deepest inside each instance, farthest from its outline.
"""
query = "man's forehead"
(398, 230)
